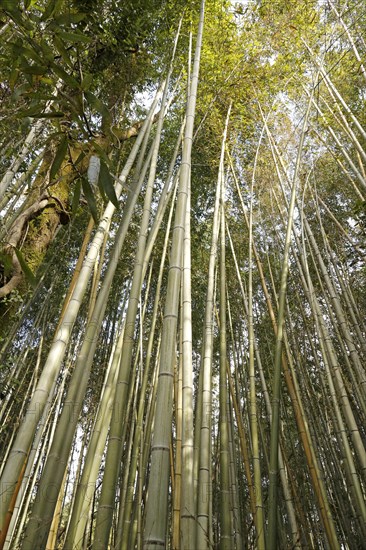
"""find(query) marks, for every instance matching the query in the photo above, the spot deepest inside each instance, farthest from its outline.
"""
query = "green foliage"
(90, 198)
(107, 184)
(67, 53)
(59, 157)
(31, 279)
(76, 197)
(6, 263)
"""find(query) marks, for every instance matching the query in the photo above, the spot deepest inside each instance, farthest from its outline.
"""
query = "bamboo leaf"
(19, 50)
(69, 18)
(106, 182)
(76, 197)
(68, 79)
(53, 136)
(98, 105)
(62, 50)
(14, 75)
(80, 158)
(17, 17)
(33, 113)
(47, 52)
(50, 9)
(86, 82)
(90, 199)
(103, 195)
(101, 152)
(74, 37)
(28, 274)
(59, 157)
(35, 69)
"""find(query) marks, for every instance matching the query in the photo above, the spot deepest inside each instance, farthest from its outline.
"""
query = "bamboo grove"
(182, 284)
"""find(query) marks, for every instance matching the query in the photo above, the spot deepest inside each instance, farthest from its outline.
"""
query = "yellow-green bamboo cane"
(252, 384)
(273, 474)
(225, 514)
(157, 498)
(86, 485)
(139, 424)
(114, 450)
(58, 348)
(203, 535)
(51, 477)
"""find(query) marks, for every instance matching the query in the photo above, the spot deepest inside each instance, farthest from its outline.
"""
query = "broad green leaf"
(102, 193)
(50, 9)
(98, 105)
(14, 75)
(86, 82)
(51, 114)
(90, 199)
(68, 79)
(76, 197)
(69, 18)
(47, 52)
(80, 158)
(38, 96)
(74, 37)
(59, 157)
(17, 17)
(62, 50)
(28, 53)
(28, 274)
(35, 69)
(32, 111)
(47, 80)
(53, 136)
(101, 152)
(107, 183)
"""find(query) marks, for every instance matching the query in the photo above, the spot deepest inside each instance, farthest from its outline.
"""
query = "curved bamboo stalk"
(104, 516)
(29, 142)
(156, 508)
(57, 351)
(87, 482)
(203, 535)
(285, 486)
(225, 515)
(252, 391)
(52, 477)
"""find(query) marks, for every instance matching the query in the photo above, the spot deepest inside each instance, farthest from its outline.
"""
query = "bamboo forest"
(182, 274)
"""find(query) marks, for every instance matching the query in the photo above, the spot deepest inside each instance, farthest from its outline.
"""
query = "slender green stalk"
(225, 514)
(86, 485)
(252, 392)
(273, 473)
(283, 473)
(157, 498)
(293, 388)
(139, 424)
(57, 351)
(187, 528)
(115, 443)
(203, 534)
